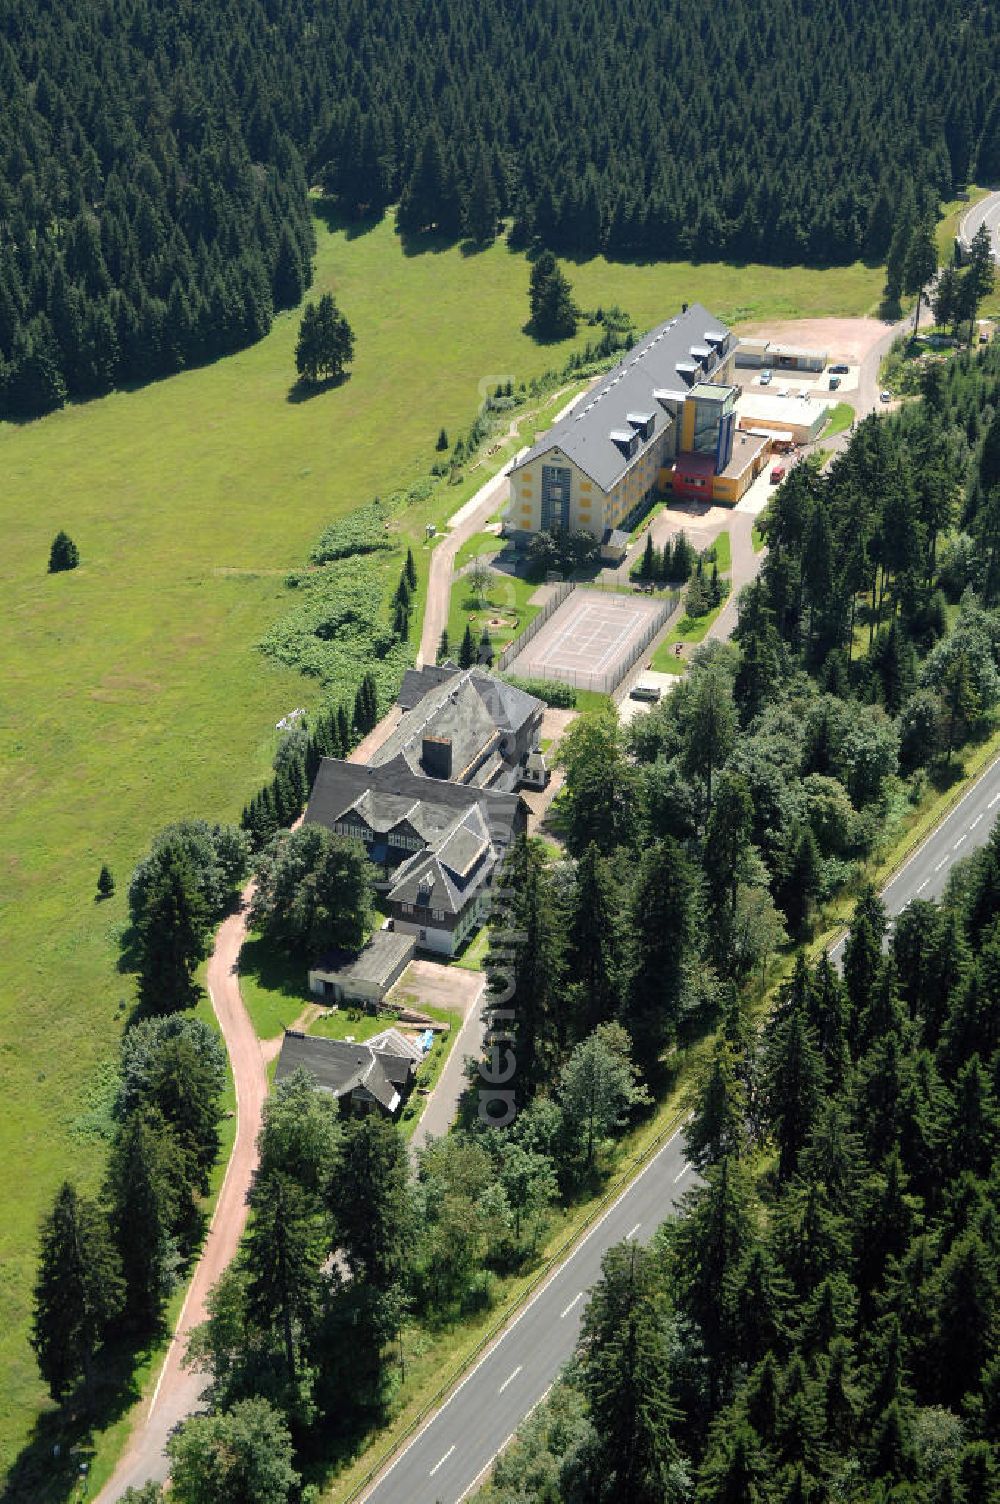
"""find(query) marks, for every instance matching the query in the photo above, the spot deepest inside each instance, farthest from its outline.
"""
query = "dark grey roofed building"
(366, 1076)
(436, 843)
(466, 726)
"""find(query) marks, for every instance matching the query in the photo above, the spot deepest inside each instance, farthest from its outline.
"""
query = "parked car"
(644, 692)
(834, 383)
(765, 378)
(777, 474)
(885, 396)
(839, 370)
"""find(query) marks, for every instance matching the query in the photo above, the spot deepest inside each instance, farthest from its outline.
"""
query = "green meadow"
(131, 690)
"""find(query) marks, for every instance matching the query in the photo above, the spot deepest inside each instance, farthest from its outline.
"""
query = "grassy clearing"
(689, 631)
(839, 420)
(135, 694)
(275, 989)
(504, 610)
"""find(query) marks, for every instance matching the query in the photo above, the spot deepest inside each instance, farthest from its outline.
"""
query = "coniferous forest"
(154, 160)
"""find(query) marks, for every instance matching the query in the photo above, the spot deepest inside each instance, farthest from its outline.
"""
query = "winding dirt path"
(178, 1389)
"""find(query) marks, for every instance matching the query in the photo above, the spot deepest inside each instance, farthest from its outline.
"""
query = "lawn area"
(721, 552)
(757, 539)
(689, 630)
(473, 955)
(275, 989)
(475, 547)
(134, 691)
(505, 611)
(839, 420)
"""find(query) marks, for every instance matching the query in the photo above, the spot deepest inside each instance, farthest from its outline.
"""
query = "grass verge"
(840, 419)
(689, 631)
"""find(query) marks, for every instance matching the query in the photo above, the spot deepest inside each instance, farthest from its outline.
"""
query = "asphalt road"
(987, 212)
(926, 873)
(457, 1445)
(453, 1451)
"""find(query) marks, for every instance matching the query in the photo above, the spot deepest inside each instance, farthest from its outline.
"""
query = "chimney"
(436, 757)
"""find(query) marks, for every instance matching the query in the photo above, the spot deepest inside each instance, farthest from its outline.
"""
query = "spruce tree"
(63, 554)
(660, 928)
(105, 882)
(78, 1292)
(284, 1256)
(147, 1194)
(442, 441)
(172, 936)
(482, 207)
(467, 650)
(625, 1374)
(444, 647)
(411, 570)
(553, 313)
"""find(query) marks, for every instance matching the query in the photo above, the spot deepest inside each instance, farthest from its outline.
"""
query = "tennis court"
(591, 640)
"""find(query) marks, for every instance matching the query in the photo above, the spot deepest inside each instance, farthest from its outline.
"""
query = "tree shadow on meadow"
(339, 222)
(305, 391)
(53, 1465)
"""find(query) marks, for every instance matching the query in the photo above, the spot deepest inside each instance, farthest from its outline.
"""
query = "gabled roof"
(374, 963)
(341, 1067)
(659, 370)
(339, 785)
(446, 876)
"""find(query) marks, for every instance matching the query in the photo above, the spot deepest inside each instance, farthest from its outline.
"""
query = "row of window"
(364, 833)
(409, 908)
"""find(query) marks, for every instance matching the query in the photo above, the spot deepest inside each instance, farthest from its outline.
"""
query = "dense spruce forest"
(822, 1320)
(154, 160)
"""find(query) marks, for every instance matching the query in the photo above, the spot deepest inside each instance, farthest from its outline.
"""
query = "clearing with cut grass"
(134, 692)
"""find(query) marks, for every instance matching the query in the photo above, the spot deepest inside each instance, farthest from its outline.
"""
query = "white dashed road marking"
(513, 1376)
(681, 1173)
(444, 1459)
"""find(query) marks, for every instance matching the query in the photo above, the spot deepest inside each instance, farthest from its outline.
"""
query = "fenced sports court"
(591, 640)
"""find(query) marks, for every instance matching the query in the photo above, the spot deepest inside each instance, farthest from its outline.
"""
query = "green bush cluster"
(361, 532)
(337, 628)
(562, 696)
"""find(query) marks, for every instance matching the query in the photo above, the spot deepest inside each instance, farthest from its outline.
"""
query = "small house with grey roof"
(376, 1076)
(601, 466)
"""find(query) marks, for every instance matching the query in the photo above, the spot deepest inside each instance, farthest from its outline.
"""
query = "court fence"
(608, 680)
(518, 643)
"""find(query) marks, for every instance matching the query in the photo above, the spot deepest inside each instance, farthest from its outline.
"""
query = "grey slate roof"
(339, 785)
(373, 963)
(339, 1067)
(660, 370)
(446, 876)
(468, 707)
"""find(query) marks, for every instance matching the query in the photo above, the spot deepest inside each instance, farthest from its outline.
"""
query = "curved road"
(178, 1389)
(454, 1449)
(986, 212)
